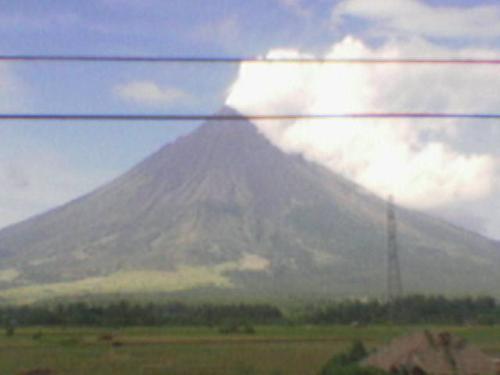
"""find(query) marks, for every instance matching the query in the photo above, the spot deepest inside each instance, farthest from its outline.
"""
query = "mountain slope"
(224, 207)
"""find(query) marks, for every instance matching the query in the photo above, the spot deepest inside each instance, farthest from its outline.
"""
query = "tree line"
(123, 313)
(417, 309)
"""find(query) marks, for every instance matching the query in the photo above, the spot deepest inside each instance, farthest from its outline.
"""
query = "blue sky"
(192, 28)
(45, 164)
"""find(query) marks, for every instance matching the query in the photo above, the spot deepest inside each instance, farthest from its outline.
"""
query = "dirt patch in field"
(117, 344)
(229, 340)
(106, 337)
(38, 371)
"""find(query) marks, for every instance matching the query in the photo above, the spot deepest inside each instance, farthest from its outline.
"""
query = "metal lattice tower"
(394, 285)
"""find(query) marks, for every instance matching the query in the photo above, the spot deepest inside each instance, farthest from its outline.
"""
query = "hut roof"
(434, 353)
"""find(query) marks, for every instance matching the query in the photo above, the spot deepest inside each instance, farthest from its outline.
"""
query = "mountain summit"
(224, 209)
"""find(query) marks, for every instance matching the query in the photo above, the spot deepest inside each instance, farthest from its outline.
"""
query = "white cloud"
(148, 93)
(413, 17)
(414, 160)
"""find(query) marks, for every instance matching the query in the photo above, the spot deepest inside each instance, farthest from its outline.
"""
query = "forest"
(416, 309)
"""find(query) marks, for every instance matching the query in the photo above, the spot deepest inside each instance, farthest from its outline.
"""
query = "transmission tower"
(394, 286)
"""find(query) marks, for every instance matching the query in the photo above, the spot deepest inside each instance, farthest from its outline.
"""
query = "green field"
(183, 350)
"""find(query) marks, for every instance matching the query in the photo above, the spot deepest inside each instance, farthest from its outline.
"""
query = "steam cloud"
(413, 159)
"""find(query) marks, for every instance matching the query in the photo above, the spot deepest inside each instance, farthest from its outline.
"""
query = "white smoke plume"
(411, 159)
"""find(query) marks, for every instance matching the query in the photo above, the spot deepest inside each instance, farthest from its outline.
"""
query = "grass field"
(184, 350)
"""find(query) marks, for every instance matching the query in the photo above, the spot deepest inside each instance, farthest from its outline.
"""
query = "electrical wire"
(204, 117)
(239, 60)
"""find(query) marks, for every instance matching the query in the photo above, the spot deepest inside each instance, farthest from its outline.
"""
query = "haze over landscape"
(226, 209)
(428, 166)
(303, 204)
(264, 187)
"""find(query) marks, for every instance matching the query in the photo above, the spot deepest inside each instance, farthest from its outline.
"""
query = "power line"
(204, 117)
(239, 60)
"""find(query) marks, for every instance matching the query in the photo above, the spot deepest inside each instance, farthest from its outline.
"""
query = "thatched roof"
(441, 354)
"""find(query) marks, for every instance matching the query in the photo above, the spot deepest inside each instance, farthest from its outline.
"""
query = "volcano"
(224, 211)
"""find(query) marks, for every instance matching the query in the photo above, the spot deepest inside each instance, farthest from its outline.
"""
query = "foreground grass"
(272, 350)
